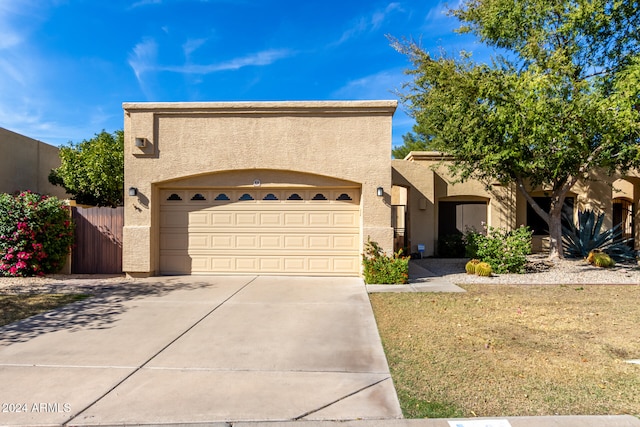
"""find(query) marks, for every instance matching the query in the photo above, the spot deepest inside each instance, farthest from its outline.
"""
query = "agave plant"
(579, 241)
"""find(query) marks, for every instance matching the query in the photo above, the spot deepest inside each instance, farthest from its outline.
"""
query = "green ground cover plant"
(504, 350)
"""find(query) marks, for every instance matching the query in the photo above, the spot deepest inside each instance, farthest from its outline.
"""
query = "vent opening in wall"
(174, 196)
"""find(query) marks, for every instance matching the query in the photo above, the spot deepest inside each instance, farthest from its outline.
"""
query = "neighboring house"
(436, 208)
(299, 188)
(25, 164)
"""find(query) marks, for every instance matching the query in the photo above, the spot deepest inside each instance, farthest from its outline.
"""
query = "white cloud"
(143, 58)
(192, 45)
(370, 22)
(13, 25)
(262, 58)
(381, 85)
(141, 3)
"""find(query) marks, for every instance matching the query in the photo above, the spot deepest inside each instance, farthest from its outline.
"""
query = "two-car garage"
(279, 188)
(273, 231)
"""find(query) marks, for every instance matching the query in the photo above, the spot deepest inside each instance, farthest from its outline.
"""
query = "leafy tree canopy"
(93, 170)
(559, 100)
(410, 142)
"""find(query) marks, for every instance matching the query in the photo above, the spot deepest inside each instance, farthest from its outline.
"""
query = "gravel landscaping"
(539, 271)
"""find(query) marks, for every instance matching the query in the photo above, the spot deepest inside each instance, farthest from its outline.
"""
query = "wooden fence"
(98, 240)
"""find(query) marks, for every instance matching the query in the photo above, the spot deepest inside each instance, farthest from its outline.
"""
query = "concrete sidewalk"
(200, 350)
(420, 280)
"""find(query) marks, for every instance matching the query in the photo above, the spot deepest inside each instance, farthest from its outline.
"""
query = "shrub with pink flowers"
(36, 234)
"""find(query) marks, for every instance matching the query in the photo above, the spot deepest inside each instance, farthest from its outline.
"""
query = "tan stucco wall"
(348, 141)
(429, 182)
(25, 164)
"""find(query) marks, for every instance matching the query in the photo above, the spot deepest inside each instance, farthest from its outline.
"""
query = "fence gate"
(98, 240)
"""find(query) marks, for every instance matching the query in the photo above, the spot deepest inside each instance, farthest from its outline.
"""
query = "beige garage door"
(283, 231)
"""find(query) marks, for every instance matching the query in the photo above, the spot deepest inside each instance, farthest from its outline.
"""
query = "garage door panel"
(293, 264)
(345, 243)
(222, 264)
(270, 265)
(320, 242)
(174, 219)
(246, 218)
(175, 263)
(269, 234)
(198, 241)
(199, 219)
(246, 264)
(221, 241)
(270, 242)
(320, 264)
(348, 219)
(319, 219)
(246, 242)
(345, 265)
(200, 263)
(295, 241)
(295, 219)
(271, 219)
(174, 241)
(221, 219)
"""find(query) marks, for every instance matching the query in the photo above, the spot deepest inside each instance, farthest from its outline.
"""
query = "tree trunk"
(553, 218)
(555, 232)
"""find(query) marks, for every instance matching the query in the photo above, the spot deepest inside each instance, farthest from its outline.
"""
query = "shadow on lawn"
(103, 307)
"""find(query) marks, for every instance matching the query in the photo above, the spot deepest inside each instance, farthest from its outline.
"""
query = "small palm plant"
(579, 241)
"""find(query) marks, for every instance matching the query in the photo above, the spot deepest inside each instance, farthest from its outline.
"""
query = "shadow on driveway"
(99, 311)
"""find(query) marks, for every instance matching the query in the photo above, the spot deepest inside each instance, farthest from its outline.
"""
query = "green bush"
(451, 246)
(471, 240)
(506, 251)
(380, 268)
(36, 234)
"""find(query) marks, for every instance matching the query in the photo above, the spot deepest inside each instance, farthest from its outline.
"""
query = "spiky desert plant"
(470, 267)
(579, 241)
(483, 269)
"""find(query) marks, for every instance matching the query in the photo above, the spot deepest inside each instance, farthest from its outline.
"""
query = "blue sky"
(66, 66)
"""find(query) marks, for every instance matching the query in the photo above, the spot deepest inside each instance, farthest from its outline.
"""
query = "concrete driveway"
(200, 349)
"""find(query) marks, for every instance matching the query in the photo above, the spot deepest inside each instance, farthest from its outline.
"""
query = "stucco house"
(436, 208)
(25, 164)
(299, 187)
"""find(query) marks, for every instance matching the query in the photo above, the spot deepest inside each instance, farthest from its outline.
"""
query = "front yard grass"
(21, 306)
(500, 350)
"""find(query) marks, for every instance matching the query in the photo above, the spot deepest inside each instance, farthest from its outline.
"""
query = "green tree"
(559, 98)
(410, 142)
(93, 170)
